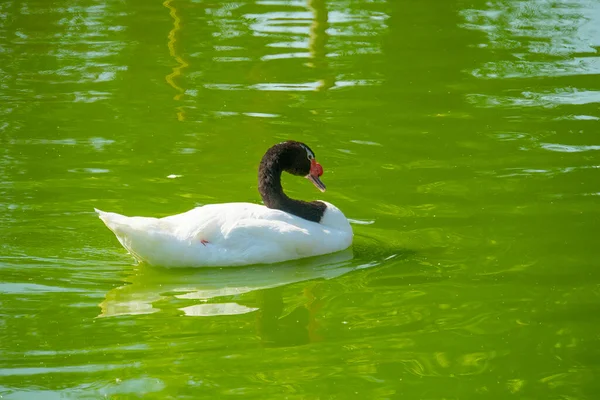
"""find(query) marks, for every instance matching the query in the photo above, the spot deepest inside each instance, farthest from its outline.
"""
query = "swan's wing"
(277, 240)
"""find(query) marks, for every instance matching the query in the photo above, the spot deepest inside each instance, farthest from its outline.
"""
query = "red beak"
(315, 172)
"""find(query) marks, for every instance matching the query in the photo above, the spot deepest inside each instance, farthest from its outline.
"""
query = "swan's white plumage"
(237, 234)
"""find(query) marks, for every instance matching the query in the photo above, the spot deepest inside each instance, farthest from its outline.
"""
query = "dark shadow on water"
(277, 328)
(375, 246)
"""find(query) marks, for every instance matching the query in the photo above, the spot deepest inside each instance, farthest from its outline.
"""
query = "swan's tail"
(115, 222)
(136, 234)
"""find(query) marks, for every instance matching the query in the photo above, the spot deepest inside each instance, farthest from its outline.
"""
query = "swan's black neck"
(278, 159)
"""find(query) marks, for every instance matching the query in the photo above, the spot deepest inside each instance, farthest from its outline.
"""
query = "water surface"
(461, 139)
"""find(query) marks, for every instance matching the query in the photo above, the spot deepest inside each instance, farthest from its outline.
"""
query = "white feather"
(237, 234)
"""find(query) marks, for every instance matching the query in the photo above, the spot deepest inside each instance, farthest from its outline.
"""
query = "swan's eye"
(309, 153)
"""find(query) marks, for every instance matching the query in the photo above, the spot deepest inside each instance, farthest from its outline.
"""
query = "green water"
(460, 138)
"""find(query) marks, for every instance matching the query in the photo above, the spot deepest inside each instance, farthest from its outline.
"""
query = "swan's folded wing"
(259, 237)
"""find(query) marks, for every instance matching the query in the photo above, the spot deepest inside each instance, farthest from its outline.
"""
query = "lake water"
(460, 137)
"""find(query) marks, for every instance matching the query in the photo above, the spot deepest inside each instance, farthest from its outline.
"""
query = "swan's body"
(228, 235)
(234, 234)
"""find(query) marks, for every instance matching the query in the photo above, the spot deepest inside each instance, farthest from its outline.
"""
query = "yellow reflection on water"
(182, 64)
(318, 41)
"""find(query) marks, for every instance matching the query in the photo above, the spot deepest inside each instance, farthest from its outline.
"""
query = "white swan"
(234, 234)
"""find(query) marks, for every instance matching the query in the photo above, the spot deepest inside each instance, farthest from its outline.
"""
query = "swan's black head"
(298, 159)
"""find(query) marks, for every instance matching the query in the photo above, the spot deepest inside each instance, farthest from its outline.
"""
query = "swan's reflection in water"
(149, 286)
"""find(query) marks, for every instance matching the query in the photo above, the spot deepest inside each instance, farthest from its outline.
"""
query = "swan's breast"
(335, 219)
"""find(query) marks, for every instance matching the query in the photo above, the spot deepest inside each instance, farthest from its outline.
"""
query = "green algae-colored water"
(460, 137)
